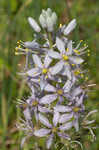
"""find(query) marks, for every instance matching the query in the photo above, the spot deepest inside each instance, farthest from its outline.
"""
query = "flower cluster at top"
(53, 70)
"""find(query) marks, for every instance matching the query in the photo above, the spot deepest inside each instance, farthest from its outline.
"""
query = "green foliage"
(14, 26)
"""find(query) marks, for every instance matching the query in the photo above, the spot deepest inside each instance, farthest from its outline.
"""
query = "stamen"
(82, 75)
(67, 49)
(76, 109)
(77, 72)
(81, 40)
(73, 64)
(44, 70)
(65, 57)
(76, 51)
(60, 25)
(34, 103)
(54, 130)
(60, 91)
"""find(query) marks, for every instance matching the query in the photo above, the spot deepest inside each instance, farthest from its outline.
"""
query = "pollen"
(19, 46)
(60, 91)
(88, 50)
(67, 49)
(54, 130)
(81, 40)
(82, 75)
(44, 70)
(76, 51)
(73, 64)
(39, 80)
(60, 25)
(85, 44)
(86, 78)
(77, 72)
(25, 105)
(46, 77)
(65, 57)
(18, 42)
(16, 53)
(34, 103)
(26, 49)
(16, 48)
(76, 109)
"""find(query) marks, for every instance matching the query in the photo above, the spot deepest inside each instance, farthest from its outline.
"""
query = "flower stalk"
(53, 71)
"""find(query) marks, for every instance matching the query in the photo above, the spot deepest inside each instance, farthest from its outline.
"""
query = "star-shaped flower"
(52, 129)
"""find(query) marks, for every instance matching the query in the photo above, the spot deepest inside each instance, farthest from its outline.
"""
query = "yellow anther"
(46, 76)
(27, 50)
(85, 44)
(16, 53)
(86, 78)
(73, 64)
(77, 72)
(88, 54)
(67, 49)
(54, 130)
(76, 109)
(81, 40)
(16, 48)
(34, 103)
(76, 51)
(82, 75)
(19, 46)
(88, 50)
(25, 105)
(39, 80)
(65, 57)
(44, 70)
(60, 25)
(60, 91)
(18, 42)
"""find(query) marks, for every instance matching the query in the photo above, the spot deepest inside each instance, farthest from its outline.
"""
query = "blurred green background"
(14, 27)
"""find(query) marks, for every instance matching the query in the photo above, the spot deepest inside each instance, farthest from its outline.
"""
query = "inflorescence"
(54, 71)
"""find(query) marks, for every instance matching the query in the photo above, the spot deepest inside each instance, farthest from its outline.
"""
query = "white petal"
(42, 132)
(57, 68)
(76, 91)
(37, 61)
(65, 117)
(54, 54)
(47, 61)
(49, 88)
(34, 24)
(48, 99)
(49, 141)
(67, 86)
(76, 124)
(66, 126)
(42, 21)
(56, 118)
(69, 48)
(44, 109)
(70, 27)
(27, 114)
(60, 45)
(33, 72)
(62, 108)
(49, 24)
(44, 121)
(76, 60)
(66, 71)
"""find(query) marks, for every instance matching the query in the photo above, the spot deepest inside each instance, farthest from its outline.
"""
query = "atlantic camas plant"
(55, 74)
